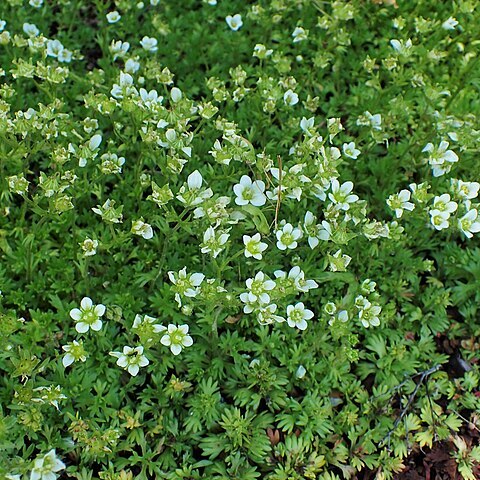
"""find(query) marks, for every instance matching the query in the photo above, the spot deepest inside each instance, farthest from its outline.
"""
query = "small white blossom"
(195, 195)
(119, 49)
(469, 224)
(290, 98)
(254, 247)
(450, 24)
(466, 190)
(297, 316)
(341, 195)
(139, 227)
(176, 338)
(260, 51)
(87, 316)
(266, 315)
(338, 261)
(350, 150)
(74, 351)
(374, 121)
(299, 34)
(301, 371)
(250, 192)
(149, 44)
(54, 47)
(444, 204)
(306, 124)
(185, 284)
(287, 237)
(258, 288)
(35, 3)
(235, 22)
(400, 202)
(132, 65)
(369, 313)
(439, 219)
(47, 466)
(131, 359)
(214, 242)
(113, 17)
(440, 158)
(30, 29)
(401, 47)
(89, 247)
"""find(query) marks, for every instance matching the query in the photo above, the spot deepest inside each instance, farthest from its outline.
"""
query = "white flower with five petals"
(88, 316)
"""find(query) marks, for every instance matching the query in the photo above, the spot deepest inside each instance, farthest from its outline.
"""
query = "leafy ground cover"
(238, 239)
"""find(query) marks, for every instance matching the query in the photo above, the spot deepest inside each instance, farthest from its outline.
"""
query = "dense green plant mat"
(237, 239)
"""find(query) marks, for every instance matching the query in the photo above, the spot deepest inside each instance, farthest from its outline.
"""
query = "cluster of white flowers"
(262, 290)
(444, 206)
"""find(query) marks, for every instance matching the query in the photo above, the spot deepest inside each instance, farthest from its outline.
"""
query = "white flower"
(253, 246)
(400, 202)
(295, 279)
(266, 315)
(350, 151)
(187, 285)
(36, 3)
(287, 237)
(301, 371)
(374, 120)
(89, 247)
(176, 338)
(466, 190)
(75, 352)
(119, 49)
(54, 47)
(194, 195)
(258, 288)
(439, 219)
(444, 204)
(113, 17)
(369, 313)
(213, 242)
(401, 47)
(139, 227)
(250, 192)
(131, 359)
(235, 22)
(88, 316)
(440, 158)
(176, 94)
(124, 87)
(341, 195)
(3, 24)
(260, 51)
(306, 124)
(297, 316)
(338, 261)
(45, 467)
(290, 98)
(64, 56)
(469, 224)
(449, 24)
(299, 34)
(31, 30)
(149, 44)
(132, 65)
